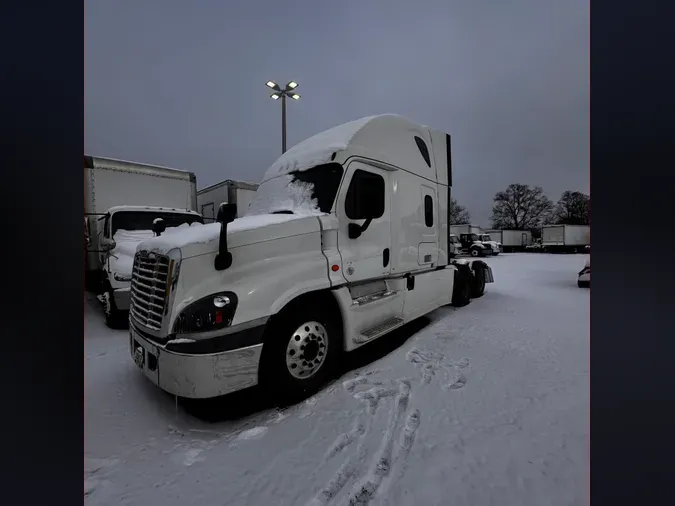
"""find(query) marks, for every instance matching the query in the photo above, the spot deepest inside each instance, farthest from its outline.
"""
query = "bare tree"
(458, 213)
(520, 207)
(573, 208)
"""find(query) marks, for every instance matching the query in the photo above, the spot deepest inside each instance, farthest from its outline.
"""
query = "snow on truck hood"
(121, 259)
(204, 239)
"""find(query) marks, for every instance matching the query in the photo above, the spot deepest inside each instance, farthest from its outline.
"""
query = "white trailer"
(465, 228)
(511, 240)
(566, 238)
(122, 199)
(230, 191)
(346, 240)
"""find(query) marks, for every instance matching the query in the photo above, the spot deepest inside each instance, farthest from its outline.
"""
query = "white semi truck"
(566, 238)
(345, 241)
(122, 200)
(230, 191)
(511, 240)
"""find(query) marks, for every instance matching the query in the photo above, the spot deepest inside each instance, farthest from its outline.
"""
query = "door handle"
(385, 257)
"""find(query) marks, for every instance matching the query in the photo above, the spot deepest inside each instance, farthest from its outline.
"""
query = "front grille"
(148, 288)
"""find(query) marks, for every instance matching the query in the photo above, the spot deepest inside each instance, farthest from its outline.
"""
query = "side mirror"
(354, 230)
(107, 244)
(158, 226)
(226, 213)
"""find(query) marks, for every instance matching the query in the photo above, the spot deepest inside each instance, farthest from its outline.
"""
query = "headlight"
(122, 277)
(209, 313)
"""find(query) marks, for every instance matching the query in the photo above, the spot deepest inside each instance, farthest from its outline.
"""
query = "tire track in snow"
(350, 467)
(364, 491)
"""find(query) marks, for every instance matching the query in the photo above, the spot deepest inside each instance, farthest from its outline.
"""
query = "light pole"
(282, 94)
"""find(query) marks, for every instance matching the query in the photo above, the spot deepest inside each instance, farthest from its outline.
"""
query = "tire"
(474, 252)
(478, 282)
(114, 317)
(292, 334)
(461, 291)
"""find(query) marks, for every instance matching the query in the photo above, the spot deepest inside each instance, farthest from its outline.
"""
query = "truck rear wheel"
(461, 291)
(478, 281)
(299, 353)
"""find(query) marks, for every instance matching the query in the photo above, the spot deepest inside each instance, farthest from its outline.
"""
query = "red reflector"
(219, 317)
(335, 268)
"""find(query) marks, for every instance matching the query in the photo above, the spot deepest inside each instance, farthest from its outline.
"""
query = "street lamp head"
(292, 85)
(273, 85)
(295, 96)
(275, 96)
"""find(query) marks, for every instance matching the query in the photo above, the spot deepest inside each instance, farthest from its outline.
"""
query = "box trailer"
(122, 200)
(566, 238)
(511, 240)
(230, 191)
(465, 229)
(346, 240)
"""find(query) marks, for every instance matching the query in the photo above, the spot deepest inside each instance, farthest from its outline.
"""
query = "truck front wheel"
(299, 353)
(474, 252)
(114, 317)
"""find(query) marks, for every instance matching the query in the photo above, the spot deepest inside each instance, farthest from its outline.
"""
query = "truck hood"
(121, 259)
(195, 241)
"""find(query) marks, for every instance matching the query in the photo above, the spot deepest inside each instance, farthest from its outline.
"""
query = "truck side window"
(366, 192)
(106, 225)
(422, 146)
(428, 211)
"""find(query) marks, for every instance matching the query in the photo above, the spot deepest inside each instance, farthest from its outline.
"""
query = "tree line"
(525, 207)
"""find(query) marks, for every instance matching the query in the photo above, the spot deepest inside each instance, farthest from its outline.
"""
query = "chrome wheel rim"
(307, 350)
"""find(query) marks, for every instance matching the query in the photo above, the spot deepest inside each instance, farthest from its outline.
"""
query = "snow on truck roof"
(101, 162)
(386, 137)
(151, 209)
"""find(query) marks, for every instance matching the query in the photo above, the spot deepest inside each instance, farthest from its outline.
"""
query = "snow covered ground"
(486, 404)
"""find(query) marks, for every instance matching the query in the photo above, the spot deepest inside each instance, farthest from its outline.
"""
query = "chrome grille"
(148, 288)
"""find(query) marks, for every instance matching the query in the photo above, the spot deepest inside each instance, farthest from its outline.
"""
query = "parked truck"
(565, 238)
(230, 191)
(346, 240)
(473, 241)
(122, 200)
(511, 240)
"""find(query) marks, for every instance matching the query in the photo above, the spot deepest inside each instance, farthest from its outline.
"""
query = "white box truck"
(511, 240)
(230, 191)
(122, 200)
(345, 241)
(565, 238)
(472, 238)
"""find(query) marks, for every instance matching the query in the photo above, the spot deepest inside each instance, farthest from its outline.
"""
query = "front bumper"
(196, 376)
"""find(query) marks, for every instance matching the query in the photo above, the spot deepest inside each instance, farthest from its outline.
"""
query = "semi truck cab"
(346, 240)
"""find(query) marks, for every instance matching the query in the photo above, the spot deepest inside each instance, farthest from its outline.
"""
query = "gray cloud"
(181, 83)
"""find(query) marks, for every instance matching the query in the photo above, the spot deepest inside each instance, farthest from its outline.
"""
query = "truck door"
(365, 189)
(523, 239)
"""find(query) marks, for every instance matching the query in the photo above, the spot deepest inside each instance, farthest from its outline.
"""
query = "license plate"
(139, 357)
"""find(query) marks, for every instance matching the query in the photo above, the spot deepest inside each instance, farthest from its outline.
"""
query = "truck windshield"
(142, 220)
(308, 192)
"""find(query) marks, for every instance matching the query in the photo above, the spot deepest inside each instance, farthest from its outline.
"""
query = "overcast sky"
(181, 83)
